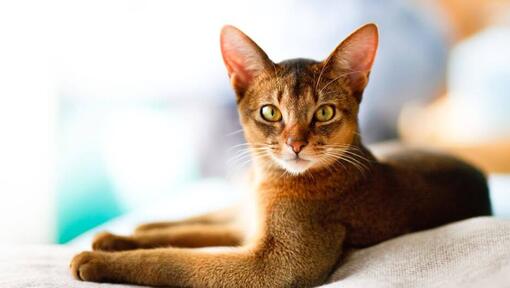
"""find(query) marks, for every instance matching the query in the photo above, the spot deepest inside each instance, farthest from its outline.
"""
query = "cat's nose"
(297, 144)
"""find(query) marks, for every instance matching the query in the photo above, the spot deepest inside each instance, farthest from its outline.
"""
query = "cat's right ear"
(354, 58)
(243, 58)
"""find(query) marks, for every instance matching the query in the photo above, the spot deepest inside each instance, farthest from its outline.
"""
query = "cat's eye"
(325, 113)
(270, 113)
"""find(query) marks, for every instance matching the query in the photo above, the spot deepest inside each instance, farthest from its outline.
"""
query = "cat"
(318, 189)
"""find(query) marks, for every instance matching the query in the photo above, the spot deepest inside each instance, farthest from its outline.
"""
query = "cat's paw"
(89, 266)
(106, 241)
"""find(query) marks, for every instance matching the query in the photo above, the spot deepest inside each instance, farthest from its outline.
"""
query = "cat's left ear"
(243, 58)
(354, 58)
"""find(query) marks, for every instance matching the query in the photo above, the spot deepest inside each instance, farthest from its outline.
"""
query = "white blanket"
(470, 253)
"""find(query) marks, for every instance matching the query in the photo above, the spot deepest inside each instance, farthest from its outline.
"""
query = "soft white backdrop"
(103, 52)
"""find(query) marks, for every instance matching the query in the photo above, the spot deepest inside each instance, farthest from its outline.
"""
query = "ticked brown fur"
(310, 205)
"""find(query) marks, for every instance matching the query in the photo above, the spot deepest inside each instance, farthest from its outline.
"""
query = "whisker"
(246, 153)
(320, 74)
(325, 163)
(362, 168)
(235, 132)
(247, 145)
(250, 150)
(337, 78)
(346, 155)
(240, 162)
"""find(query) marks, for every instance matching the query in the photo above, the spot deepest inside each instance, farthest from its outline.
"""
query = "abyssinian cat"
(318, 190)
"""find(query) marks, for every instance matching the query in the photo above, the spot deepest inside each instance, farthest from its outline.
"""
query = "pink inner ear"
(242, 57)
(236, 66)
(362, 56)
(359, 49)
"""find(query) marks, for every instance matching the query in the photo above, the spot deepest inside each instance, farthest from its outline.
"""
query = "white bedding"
(470, 253)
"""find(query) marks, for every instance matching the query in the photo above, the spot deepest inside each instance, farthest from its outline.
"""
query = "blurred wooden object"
(432, 126)
(466, 17)
(492, 157)
(470, 16)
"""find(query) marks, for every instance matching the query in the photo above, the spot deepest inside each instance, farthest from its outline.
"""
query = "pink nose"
(296, 144)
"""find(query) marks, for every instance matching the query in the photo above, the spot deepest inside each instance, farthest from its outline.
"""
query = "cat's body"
(412, 190)
(317, 189)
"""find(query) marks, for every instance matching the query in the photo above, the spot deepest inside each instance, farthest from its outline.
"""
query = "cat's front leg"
(237, 267)
(223, 216)
(190, 236)
(269, 264)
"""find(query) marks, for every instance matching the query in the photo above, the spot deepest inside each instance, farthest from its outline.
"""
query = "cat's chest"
(250, 216)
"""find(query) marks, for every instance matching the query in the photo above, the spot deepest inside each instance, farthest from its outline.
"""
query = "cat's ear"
(243, 58)
(354, 57)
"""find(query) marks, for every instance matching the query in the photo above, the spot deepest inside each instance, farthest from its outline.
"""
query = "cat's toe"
(88, 266)
(106, 241)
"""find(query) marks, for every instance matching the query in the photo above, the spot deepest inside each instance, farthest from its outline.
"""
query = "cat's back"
(426, 163)
(440, 187)
(412, 190)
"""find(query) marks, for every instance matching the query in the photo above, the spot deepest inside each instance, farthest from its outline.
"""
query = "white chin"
(295, 167)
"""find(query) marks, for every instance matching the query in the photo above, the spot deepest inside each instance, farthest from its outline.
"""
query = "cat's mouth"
(295, 165)
(298, 160)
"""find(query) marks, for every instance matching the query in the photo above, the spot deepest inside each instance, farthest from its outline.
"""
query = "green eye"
(325, 113)
(270, 113)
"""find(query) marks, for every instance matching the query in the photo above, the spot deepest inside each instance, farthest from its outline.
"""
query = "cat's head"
(299, 114)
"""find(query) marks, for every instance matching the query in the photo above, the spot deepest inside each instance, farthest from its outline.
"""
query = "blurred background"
(109, 107)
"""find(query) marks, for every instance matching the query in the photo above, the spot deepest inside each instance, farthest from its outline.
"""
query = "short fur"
(310, 206)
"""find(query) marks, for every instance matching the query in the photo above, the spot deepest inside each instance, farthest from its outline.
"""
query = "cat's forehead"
(291, 82)
(298, 75)
(300, 82)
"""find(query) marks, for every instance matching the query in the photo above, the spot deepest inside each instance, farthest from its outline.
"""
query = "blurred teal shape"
(116, 158)
(85, 198)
